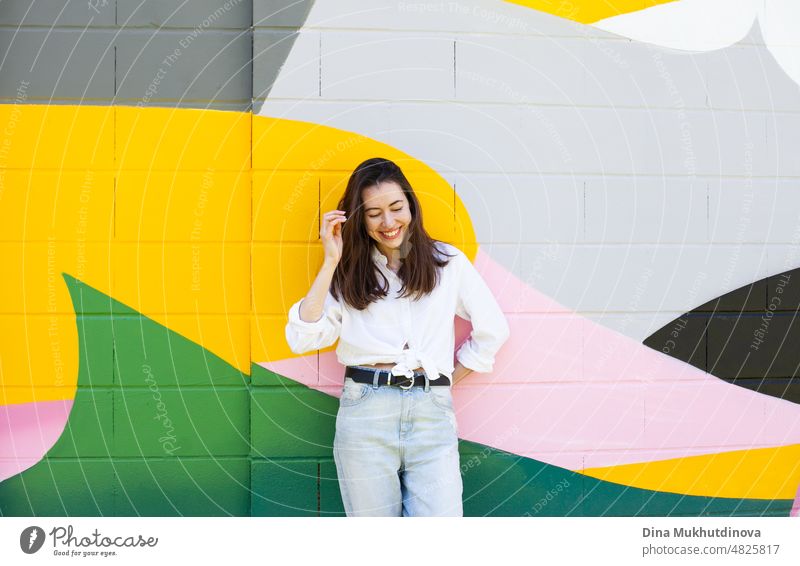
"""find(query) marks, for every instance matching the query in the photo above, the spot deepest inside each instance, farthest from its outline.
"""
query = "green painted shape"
(207, 487)
(182, 422)
(290, 466)
(291, 422)
(216, 421)
(95, 331)
(504, 484)
(498, 483)
(87, 300)
(90, 427)
(139, 341)
(260, 376)
(284, 488)
(57, 487)
(330, 498)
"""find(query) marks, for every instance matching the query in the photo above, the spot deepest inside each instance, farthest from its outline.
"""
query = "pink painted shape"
(795, 512)
(575, 394)
(303, 369)
(28, 431)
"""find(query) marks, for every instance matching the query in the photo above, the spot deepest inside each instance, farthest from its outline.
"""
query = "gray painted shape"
(271, 46)
(174, 66)
(57, 12)
(208, 14)
(71, 65)
(639, 285)
(214, 71)
(270, 50)
(703, 126)
(281, 13)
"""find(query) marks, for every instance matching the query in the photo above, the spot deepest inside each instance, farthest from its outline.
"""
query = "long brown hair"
(356, 280)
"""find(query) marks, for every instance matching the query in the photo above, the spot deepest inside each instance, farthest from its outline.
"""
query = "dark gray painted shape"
(171, 65)
(46, 12)
(746, 337)
(281, 13)
(270, 50)
(72, 65)
(208, 14)
(271, 47)
(214, 71)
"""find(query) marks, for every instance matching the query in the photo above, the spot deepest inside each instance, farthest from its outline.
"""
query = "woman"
(390, 293)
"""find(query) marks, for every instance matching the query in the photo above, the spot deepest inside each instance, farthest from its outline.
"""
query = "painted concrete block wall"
(626, 185)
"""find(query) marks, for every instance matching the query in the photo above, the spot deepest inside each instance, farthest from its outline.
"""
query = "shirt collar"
(382, 263)
(378, 257)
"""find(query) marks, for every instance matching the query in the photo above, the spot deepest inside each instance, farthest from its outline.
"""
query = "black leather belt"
(385, 377)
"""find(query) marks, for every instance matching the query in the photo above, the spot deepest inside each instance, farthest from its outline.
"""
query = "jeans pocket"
(442, 397)
(354, 393)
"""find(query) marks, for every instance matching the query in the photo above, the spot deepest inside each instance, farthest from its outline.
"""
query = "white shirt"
(380, 332)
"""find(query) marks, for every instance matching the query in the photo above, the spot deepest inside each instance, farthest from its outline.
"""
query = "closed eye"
(393, 210)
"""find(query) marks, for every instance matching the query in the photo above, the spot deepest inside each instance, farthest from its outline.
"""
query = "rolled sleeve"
(303, 336)
(489, 325)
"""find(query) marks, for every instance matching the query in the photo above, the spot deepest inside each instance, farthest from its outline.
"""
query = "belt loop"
(375, 378)
(427, 382)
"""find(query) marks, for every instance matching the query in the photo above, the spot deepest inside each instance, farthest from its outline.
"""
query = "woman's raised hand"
(331, 234)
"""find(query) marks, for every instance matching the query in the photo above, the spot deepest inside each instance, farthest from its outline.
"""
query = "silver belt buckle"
(410, 383)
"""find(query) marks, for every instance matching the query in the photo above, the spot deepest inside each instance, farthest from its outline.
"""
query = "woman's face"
(386, 215)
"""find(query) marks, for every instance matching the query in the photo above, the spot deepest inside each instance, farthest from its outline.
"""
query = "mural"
(621, 173)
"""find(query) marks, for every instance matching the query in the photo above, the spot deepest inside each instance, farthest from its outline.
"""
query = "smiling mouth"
(391, 235)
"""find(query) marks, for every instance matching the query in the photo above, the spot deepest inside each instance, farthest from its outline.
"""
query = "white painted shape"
(645, 209)
(546, 208)
(779, 19)
(702, 142)
(472, 16)
(696, 25)
(704, 25)
(299, 76)
(637, 278)
(782, 258)
(387, 65)
(368, 118)
(456, 137)
(783, 143)
(583, 139)
(754, 210)
(622, 73)
(639, 324)
(520, 69)
(750, 83)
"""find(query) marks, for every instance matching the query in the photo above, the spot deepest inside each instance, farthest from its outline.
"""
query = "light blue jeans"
(396, 451)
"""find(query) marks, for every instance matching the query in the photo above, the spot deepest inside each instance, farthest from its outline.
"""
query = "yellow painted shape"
(153, 259)
(59, 205)
(196, 206)
(39, 357)
(762, 473)
(282, 274)
(285, 206)
(32, 281)
(182, 139)
(34, 394)
(172, 277)
(263, 350)
(56, 137)
(588, 11)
